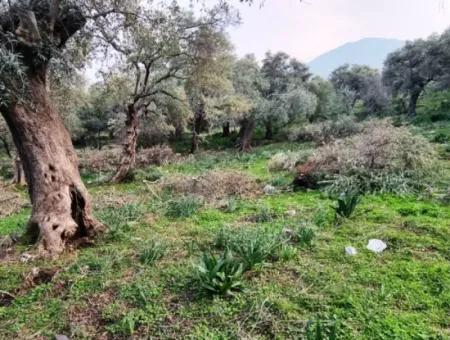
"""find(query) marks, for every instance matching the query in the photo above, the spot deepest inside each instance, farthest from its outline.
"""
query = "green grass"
(126, 285)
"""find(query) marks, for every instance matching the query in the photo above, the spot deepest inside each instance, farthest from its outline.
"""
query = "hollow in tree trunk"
(61, 206)
(269, 130)
(19, 175)
(128, 159)
(246, 134)
(226, 130)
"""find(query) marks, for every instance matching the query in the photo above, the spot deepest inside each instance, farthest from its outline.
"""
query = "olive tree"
(32, 34)
(285, 76)
(360, 83)
(410, 69)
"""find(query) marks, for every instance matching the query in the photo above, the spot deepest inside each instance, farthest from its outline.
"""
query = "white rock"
(351, 251)
(25, 257)
(291, 213)
(377, 246)
(270, 190)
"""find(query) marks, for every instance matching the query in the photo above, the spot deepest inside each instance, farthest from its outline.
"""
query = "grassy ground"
(108, 291)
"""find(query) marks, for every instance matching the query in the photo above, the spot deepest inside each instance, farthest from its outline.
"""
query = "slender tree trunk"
(128, 160)
(19, 175)
(61, 206)
(226, 130)
(246, 134)
(269, 130)
(178, 131)
(413, 99)
(197, 126)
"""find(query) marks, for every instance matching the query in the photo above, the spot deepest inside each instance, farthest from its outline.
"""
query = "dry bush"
(11, 201)
(214, 186)
(327, 131)
(287, 161)
(157, 155)
(381, 158)
(107, 160)
(104, 160)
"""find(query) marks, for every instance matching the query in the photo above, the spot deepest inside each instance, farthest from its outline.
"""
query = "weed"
(346, 205)
(264, 214)
(152, 252)
(287, 252)
(183, 207)
(322, 330)
(118, 220)
(219, 275)
(302, 235)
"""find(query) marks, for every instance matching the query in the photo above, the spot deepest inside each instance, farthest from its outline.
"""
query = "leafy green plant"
(183, 207)
(152, 252)
(264, 214)
(232, 205)
(287, 252)
(220, 275)
(255, 252)
(346, 205)
(322, 330)
(119, 220)
(305, 236)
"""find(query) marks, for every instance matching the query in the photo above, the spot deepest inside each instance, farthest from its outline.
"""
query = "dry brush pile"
(382, 158)
(107, 160)
(214, 186)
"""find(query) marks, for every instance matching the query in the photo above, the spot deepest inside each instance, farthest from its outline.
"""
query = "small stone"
(377, 246)
(270, 190)
(61, 337)
(351, 251)
(25, 257)
(291, 213)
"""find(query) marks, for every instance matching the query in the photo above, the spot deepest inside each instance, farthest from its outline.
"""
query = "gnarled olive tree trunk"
(61, 206)
(246, 134)
(128, 159)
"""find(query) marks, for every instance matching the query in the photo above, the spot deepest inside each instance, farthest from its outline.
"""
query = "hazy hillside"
(369, 51)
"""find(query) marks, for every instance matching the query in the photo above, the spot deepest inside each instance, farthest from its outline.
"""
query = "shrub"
(183, 207)
(286, 161)
(152, 252)
(381, 158)
(327, 131)
(219, 275)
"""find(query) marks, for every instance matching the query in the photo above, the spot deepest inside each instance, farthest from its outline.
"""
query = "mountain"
(369, 51)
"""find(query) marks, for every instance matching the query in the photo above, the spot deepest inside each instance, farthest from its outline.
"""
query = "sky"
(310, 28)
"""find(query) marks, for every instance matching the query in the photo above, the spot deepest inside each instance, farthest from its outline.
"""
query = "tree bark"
(246, 134)
(226, 130)
(413, 99)
(128, 160)
(61, 206)
(19, 175)
(197, 127)
(269, 131)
